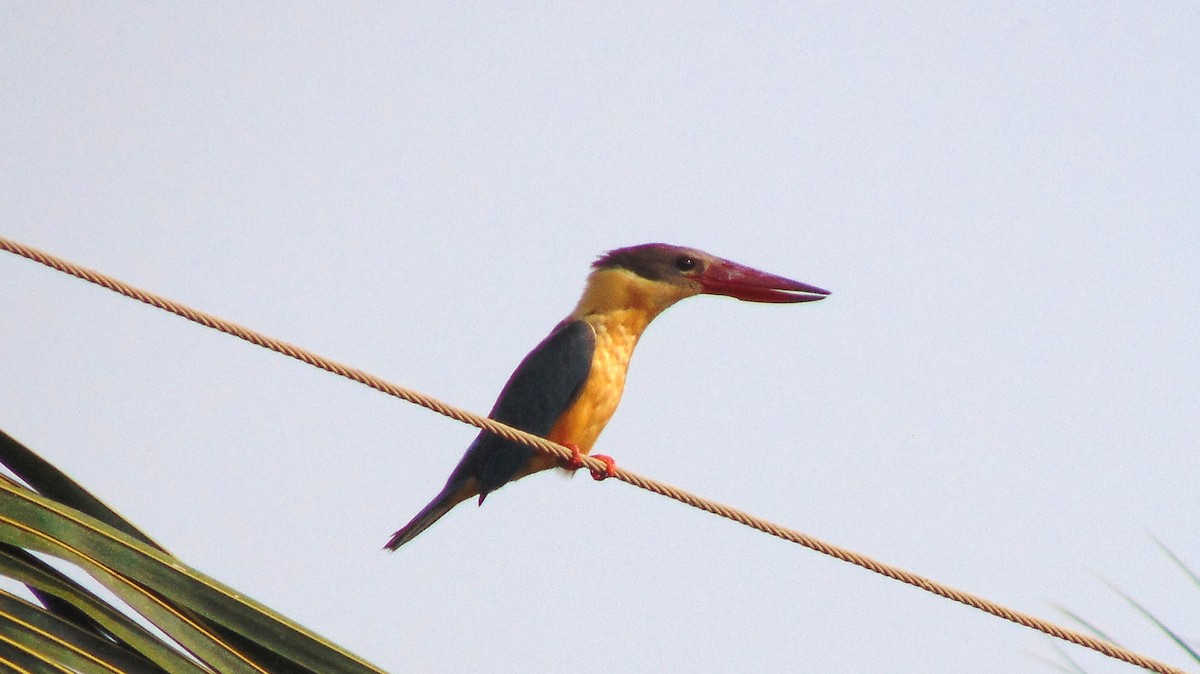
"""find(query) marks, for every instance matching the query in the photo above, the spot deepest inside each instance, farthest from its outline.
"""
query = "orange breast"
(617, 332)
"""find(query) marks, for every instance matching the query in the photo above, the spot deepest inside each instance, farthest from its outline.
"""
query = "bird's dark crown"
(654, 261)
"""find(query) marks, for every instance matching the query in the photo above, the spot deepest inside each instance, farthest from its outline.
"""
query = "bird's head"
(656, 275)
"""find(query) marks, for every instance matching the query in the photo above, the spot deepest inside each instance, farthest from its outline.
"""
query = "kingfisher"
(568, 387)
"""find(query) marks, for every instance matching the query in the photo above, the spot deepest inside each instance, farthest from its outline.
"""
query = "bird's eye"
(685, 263)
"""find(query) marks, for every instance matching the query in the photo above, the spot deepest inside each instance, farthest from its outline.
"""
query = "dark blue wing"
(542, 388)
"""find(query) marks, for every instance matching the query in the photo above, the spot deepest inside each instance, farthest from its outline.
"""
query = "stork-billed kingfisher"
(568, 387)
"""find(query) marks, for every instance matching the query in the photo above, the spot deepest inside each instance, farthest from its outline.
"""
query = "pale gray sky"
(1002, 392)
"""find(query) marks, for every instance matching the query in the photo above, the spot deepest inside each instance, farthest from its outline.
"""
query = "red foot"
(609, 464)
(576, 461)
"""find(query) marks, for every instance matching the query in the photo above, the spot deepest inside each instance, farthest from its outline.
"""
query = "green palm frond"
(1161, 626)
(209, 627)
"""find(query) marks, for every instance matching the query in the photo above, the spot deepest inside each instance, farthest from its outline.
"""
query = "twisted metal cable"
(541, 444)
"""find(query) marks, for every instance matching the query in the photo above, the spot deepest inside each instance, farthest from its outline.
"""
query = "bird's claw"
(609, 466)
(576, 462)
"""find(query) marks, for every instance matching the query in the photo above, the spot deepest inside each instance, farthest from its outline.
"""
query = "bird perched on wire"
(568, 387)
